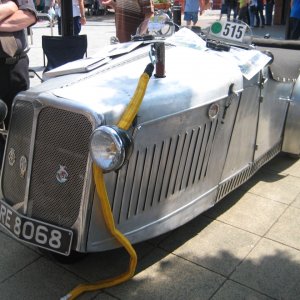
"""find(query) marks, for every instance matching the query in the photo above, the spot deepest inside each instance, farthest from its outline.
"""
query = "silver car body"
(184, 159)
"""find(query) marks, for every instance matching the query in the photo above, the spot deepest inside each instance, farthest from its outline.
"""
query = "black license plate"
(44, 235)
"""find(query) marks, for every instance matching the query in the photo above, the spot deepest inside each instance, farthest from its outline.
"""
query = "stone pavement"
(246, 247)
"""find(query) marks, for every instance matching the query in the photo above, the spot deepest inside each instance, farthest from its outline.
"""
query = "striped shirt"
(129, 15)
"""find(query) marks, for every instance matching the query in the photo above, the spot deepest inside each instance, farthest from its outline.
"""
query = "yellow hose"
(134, 105)
(124, 123)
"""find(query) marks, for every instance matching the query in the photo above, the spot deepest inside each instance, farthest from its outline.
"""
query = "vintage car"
(213, 114)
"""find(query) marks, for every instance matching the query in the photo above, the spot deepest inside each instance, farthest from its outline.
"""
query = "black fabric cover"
(274, 43)
(286, 64)
(63, 49)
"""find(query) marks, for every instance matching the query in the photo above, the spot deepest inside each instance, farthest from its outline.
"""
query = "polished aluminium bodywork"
(201, 132)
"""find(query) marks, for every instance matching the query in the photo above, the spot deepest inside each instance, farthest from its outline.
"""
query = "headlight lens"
(109, 147)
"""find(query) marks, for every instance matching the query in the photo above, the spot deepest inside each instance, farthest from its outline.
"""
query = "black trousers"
(294, 33)
(13, 79)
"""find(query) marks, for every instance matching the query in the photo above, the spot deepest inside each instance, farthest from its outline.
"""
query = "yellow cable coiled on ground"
(124, 123)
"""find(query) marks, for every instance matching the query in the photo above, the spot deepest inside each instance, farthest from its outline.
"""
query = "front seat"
(60, 50)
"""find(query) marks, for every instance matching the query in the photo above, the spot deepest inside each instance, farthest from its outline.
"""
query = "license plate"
(44, 235)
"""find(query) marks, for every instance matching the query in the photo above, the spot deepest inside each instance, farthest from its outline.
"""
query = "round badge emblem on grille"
(62, 174)
(11, 157)
(23, 166)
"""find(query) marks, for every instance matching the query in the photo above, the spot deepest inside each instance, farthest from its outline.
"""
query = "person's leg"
(186, 19)
(235, 12)
(256, 18)
(14, 79)
(195, 18)
(19, 81)
(46, 9)
(228, 12)
(243, 14)
(262, 17)
(269, 11)
(295, 29)
(77, 25)
(251, 16)
(59, 25)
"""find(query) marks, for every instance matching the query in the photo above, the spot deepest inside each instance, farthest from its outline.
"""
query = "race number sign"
(228, 30)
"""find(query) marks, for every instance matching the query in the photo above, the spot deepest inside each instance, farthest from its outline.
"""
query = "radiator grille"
(61, 140)
(13, 185)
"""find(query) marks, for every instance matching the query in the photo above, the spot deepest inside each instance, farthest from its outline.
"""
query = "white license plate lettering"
(17, 226)
(35, 232)
(41, 234)
(55, 239)
(28, 230)
(7, 219)
(2, 214)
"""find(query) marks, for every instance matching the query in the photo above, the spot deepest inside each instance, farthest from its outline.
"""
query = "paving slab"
(235, 291)
(104, 296)
(286, 229)
(276, 187)
(218, 247)
(13, 257)
(40, 280)
(296, 202)
(98, 266)
(272, 269)
(284, 164)
(169, 278)
(247, 211)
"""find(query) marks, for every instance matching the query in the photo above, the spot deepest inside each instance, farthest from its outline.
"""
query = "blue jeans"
(76, 25)
(229, 9)
(252, 13)
(269, 13)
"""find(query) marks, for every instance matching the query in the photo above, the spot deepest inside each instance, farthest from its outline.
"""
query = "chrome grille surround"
(61, 142)
(49, 137)
(13, 185)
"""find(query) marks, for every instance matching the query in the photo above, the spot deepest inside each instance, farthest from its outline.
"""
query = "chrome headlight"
(110, 146)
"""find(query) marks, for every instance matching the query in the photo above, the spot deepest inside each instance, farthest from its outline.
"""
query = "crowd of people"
(255, 13)
(16, 15)
(129, 14)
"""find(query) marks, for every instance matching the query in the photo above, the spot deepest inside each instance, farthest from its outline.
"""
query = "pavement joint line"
(20, 270)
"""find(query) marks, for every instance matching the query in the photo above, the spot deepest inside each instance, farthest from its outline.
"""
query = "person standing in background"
(231, 5)
(191, 11)
(129, 15)
(15, 16)
(243, 11)
(269, 11)
(252, 12)
(294, 20)
(48, 4)
(260, 18)
(78, 16)
(223, 9)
